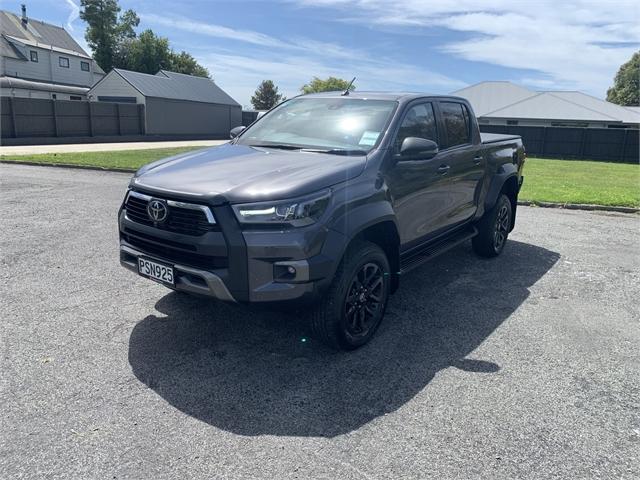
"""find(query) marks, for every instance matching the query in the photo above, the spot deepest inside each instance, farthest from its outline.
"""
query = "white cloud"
(239, 75)
(212, 30)
(292, 63)
(576, 43)
(249, 36)
(73, 14)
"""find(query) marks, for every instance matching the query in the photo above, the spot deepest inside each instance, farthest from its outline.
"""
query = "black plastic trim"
(238, 279)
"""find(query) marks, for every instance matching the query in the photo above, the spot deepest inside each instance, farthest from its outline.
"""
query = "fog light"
(291, 271)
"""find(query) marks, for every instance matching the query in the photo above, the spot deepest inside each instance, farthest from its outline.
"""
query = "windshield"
(334, 125)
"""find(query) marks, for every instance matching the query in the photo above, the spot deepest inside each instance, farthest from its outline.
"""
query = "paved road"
(526, 366)
(103, 147)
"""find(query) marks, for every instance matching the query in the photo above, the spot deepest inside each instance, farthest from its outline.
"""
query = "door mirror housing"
(236, 131)
(416, 148)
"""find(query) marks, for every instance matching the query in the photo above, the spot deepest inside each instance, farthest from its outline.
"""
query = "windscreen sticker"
(369, 138)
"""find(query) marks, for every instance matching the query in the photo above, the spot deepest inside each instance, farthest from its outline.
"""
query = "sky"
(434, 46)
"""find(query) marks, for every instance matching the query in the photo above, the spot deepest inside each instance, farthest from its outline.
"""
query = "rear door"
(417, 188)
(464, 159)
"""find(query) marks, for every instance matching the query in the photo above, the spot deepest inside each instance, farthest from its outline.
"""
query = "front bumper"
(256, 264)
(187, 279)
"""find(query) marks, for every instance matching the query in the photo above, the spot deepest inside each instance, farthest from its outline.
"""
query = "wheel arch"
(374, 222)
(510, 189)
(385, 235)
(505, 181)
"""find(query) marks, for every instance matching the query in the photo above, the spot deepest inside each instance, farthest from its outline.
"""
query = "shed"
(175, 103)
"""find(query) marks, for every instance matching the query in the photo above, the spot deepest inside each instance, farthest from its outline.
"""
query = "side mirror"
(415, 148)
(236, 131)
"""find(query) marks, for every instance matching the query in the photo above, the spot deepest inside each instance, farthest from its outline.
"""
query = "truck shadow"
(255, 372)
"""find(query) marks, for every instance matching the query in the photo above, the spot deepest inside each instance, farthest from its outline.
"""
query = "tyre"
(352, 309)
(493, 229)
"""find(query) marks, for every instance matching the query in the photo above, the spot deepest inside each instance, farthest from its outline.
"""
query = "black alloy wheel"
(494, 228)
(352, 309)
(364, 301)
(503, 220)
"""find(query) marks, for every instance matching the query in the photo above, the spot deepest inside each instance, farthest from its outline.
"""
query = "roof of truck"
(379, 95)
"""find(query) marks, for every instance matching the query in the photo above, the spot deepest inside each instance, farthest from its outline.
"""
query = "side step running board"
(422, 254)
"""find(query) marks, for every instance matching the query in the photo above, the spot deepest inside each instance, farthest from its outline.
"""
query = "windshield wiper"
(281, 146)
(337, 151)
(331, 151)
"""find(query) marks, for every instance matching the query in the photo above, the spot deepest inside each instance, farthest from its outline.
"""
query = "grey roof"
(486, 97)
(7, 49)
(548, 106)
(37, 34)
(176, 86)
(611, 109)
(40, 32)
(506, 100)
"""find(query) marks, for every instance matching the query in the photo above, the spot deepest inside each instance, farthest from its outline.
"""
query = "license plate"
(155, 271)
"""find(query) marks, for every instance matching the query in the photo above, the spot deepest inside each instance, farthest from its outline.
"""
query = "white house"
(40, 60)
(504, 103)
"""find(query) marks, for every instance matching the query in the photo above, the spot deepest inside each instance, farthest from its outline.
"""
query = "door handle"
(443, 169)
(477, 160)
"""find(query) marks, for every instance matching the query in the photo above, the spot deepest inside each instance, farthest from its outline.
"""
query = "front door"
(418, 188)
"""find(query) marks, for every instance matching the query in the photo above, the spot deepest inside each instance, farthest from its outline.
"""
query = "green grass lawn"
(558, 181)
(125, 159)
(577, 181)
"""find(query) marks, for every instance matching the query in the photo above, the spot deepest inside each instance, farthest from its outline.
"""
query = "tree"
(626, 85)
(148, 53)
(331, 84)
(266, 96)
(129, 20)
(105, 30)
(114, 42)
(184, 63)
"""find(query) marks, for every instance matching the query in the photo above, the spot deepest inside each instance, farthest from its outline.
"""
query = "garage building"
(175, 104)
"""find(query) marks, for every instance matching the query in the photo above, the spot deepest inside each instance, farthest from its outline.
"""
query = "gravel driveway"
(526, 366)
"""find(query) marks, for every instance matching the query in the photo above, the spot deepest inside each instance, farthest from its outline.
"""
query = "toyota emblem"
(157, 211)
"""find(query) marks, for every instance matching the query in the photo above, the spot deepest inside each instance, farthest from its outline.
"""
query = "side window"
(456, 121)
(33, 55)
(419, 121)
(63, 62)
(84, 66)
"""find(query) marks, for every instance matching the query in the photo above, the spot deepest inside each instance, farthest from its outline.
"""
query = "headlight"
(298, 212)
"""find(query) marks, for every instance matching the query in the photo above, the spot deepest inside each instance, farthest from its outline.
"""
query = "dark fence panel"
(35, 117)
(105, 118)
(248, 117)
(606, 144)
(130, 119)
(72, 119)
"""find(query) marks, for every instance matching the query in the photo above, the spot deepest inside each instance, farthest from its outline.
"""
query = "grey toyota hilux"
(328, 199)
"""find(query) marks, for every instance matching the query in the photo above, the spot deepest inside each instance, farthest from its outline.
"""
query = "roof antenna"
(346, 92)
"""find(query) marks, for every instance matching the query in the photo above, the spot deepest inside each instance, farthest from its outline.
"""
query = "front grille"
(147, 244)
(179, 220)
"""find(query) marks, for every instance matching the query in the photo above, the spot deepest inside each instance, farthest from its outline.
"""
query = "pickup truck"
(328, 199)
